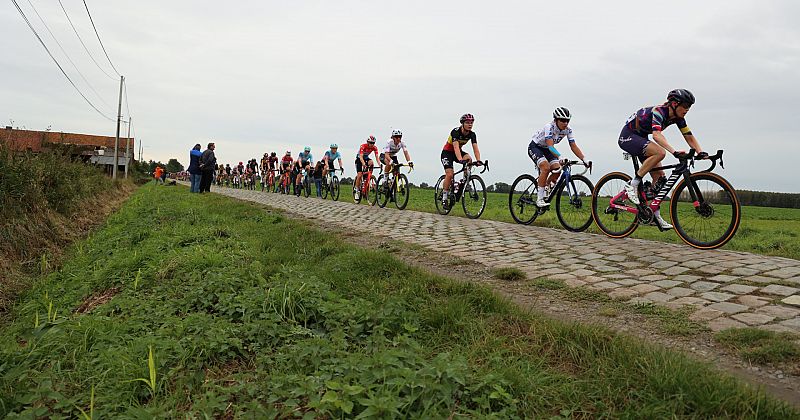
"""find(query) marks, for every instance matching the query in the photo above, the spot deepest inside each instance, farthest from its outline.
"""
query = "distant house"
(98, 150)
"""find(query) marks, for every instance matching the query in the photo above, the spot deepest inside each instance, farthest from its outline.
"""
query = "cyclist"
(394, 145)
(286, 164)
(452, 152)
(543, 153)
(330, 156)
(652, 121)
(363, 161)
(240, 167)
(252, 169)
(304, 161)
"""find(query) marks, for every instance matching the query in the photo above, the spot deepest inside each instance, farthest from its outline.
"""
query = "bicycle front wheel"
(473, 199)
(324, 188)
(402, 193)
(705, 210)
(522, 200)
(334, 187)
(574, 204)
(613, 222)
(437, 197)
(372, 194)
(382, 194)
(306, 187)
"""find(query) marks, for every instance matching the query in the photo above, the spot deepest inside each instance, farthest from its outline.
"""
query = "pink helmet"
(467, 118)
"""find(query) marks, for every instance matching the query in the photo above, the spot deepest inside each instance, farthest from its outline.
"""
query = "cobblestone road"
(727, 289)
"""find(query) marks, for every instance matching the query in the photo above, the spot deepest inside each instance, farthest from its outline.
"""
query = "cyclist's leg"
(448, 158)
(357, 182)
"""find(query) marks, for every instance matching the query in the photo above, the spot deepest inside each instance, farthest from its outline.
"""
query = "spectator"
(318, 177)
(158, 173)
(208, 162)
(194, 168)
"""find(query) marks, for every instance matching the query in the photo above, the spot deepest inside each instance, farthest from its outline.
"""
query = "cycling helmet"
(467, 118)
(371, 139)
(288, 153)
(272, 154)
(334, 146)
(240, 163)
(307, 148)
(562, 113)
(397, 133)
(265, 154)
(681, 96)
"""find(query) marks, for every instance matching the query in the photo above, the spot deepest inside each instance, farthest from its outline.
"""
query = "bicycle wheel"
(402, 193)
(324, 188)
(522, 199)
(382, 194)
(334, 187)
(437, 197)
(710, 218)
(473, 200)
(573, 204)
(613, 222)
(372, 192)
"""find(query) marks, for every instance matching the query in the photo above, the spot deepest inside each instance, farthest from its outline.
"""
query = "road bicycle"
(330, 184)
(394, 186)
(285, 181)
(368, 190)
(305, 184)
(704, 209)
(572, 194)
(470, 189)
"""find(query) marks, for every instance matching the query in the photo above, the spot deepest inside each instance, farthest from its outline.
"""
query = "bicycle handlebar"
(691, 157)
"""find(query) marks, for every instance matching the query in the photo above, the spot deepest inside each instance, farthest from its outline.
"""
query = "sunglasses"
(562, 120)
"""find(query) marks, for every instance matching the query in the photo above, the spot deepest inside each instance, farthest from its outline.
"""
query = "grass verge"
(223, 309)
(760, 346)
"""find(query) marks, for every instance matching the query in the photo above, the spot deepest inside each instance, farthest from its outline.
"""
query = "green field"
(763, 230)
(201, 306)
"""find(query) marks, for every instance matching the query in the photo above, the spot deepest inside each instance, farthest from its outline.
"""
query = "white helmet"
(397, 133)
(562, 113)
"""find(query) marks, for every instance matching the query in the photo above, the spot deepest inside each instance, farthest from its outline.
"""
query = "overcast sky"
(261, 76)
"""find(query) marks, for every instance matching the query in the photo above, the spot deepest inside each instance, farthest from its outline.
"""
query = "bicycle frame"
(681, 169)
(564, 180)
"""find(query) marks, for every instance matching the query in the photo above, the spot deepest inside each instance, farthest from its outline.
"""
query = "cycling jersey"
(252, 166)
(286, 161)
(654, 118)
(273, 162)
(461, 138)
(240, 168)
(392, 148)
(305, 158)
(228, 170)
(332, 156)
(265, 164)
(551, 132)
(366, 149)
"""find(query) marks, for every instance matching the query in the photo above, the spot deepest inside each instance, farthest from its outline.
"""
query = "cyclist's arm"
(457, 149)
(551, 146)
(577, 150)
(408, 157)
(691, 140)
(476, 150)
(340, 165)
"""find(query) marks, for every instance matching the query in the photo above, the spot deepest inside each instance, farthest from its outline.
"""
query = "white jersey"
(551, 132)
(392, 148)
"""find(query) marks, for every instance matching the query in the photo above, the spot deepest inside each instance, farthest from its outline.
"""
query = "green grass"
(760, 346)
(509, 274)
(249, 314)
(763, 230)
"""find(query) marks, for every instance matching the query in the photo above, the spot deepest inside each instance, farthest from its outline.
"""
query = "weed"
(151, 368)
(761, 346)
(509, 274)
(610, 311)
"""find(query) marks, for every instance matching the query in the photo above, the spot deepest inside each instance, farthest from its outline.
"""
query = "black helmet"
(562, 113)
(681, 96)
(272, 154)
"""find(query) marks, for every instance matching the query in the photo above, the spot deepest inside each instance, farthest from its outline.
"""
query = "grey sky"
(267, 76)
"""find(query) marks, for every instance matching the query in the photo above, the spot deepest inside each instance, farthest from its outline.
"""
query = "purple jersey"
(654, 118)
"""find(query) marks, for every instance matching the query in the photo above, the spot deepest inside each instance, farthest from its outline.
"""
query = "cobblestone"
(584, 260)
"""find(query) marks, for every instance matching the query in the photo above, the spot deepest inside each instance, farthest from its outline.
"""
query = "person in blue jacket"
(194, 168)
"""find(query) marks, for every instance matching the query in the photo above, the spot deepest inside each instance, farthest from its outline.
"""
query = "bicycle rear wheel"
(437, 197)
(402, 193)
(613, 222)
(573, 204)
(708, 218)
(522, 200)
(372, 194)
(382, 194)
(334, 187)
(473, 200)
(324, 188)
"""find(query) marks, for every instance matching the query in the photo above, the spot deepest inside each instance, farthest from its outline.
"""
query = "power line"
(25, 18)
(65, 53)
(84, 44)
(98, 38)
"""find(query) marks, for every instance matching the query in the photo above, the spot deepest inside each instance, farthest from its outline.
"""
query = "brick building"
(86, 146)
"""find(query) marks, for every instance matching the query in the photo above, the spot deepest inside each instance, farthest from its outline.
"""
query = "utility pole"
(119, 120)
(128, 146)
